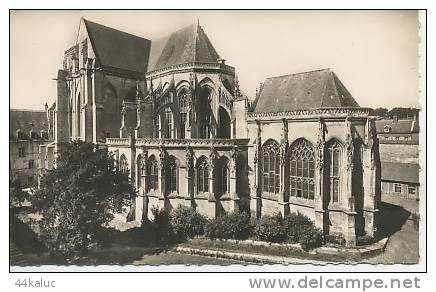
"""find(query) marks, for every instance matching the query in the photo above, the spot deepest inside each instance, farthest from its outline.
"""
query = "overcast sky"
(374, 53)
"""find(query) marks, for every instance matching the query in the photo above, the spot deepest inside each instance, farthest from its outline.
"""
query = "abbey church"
(172, 112)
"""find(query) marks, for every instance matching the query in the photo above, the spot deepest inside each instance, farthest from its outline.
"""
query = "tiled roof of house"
(397, 127)
(189, 44)
(118, 49)
(25, 121)
(306, 90)
(400, 172)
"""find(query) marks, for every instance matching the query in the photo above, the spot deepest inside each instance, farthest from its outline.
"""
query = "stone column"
(371, 181)
(348, 200)
(283, 199)
(161, 177)
(187, 176)
(321, 214)
(232, 182)
(256, 190)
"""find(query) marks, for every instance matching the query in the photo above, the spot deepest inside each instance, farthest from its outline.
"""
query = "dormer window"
(21, 135)
(387, 129)
(34, 135)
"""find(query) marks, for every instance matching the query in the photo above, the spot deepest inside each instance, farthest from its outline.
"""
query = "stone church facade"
(172, 112)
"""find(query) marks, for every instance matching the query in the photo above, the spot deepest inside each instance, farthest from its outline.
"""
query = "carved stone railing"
(313, 113)
(118, 141)
(190, 142)
(192, 66)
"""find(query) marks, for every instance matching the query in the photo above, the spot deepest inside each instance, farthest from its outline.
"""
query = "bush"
(270, 229)
(295, 225)
(235, 225)
(162, 225)
(335, 239)
(186, 222)
(311, 237)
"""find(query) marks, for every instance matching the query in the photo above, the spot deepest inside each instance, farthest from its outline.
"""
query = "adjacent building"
(173, 113)
(27, 131)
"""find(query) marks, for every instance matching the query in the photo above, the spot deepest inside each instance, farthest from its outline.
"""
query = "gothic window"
(140, 171)
(271, 167)
(124, 166)
(170, 123)
(302, 172)
(171, 175)
(78, 116)
(333, 158)
(222, 176)
(184, 108)
(202, 176)
(153, 174)
(157, 127)
(204, 112)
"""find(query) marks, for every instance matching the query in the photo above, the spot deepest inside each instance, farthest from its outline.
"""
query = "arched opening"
(152, 171)
(332, 172)
(224, 123)
(271, 167)
(169, 120)
(124, 165)
(221, 174)
(202, 175)
(184, 111)
(78, 116)
(171, 175)
(204, 112)
(302, 170)
(140, 172)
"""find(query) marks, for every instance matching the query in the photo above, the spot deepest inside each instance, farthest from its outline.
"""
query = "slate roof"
(398, 127)
(26, 121)
(400, 172)
(118, 49)
(306, 90)
(189, 44)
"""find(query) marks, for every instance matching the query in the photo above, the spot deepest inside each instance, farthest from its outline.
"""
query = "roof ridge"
(304, 72)
(117, 30)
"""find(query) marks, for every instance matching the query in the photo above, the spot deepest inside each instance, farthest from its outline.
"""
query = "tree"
(381, 112)
(16, 194)
(80, 196)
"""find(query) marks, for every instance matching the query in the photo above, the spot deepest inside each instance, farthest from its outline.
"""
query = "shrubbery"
(270, 229)
(235, 225)
(186, 222)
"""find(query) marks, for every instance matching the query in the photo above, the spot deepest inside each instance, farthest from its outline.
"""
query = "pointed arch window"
(171, 175)
(222, 176)
(184, 108)
(302, 170)
(170, 123)
(271, 167)
(157, 129)
(334, 170)
(124, 166)
(152, 174)
(202, 176)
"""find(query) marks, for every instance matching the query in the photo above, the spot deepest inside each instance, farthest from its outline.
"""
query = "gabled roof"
(398, 127)
(189, 44)
(400, 172)
(26, 121)
(118, 49)
(306, 90)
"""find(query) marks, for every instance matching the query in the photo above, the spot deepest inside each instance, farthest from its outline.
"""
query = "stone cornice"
(337, 112)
